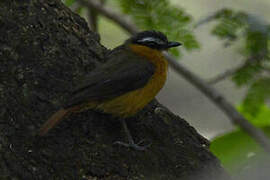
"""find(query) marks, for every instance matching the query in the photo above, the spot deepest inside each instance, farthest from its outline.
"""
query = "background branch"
(107, 12)
(210, 92)
(93, 17)
(224, 75)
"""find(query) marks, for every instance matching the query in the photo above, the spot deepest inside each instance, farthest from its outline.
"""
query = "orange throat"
(154, 56)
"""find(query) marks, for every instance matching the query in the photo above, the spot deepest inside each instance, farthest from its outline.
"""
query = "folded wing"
(122, 73)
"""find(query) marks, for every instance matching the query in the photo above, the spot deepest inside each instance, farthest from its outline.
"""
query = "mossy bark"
(45, 49)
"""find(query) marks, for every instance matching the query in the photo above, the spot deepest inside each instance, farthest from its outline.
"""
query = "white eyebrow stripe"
(151, 39)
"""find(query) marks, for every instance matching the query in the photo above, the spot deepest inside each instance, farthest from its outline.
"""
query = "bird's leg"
(131, 142)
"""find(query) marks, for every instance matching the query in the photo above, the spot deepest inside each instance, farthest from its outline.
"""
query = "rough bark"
(45, 49)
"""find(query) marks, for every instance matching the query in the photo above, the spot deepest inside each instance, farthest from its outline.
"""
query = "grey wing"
(120, 75)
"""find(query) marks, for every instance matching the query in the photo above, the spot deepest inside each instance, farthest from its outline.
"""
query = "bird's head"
(152, 39)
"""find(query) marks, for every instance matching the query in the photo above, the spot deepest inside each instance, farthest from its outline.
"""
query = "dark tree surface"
(45, 49)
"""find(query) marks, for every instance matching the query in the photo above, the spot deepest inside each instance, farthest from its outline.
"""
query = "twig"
(92, 19)
(131, 28)
(92, 15)
(205, 20)
(230, 72)
(224, 75)
(209, 91)
(222, 103)
(267, 69)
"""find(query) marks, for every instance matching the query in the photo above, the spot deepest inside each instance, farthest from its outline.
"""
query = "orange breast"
(132, 102)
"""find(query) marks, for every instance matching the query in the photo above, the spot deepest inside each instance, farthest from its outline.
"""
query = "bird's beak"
(173, 44)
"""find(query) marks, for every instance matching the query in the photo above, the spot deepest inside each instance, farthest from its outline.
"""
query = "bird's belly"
(130, 103)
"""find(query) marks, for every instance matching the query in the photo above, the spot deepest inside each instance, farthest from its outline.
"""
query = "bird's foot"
(135, 146)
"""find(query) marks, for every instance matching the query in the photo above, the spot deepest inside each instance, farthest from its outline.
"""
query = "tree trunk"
(45, 50)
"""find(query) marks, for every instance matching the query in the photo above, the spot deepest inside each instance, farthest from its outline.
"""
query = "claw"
(133, 145)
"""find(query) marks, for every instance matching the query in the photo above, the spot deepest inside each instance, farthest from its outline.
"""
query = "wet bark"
(45, 50)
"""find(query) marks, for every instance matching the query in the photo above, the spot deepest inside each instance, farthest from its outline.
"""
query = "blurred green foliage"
(262, 119)
(255, 72)
(160, 15)
(74, 6)
(258, 93)
(230, 24)
(68, 2)
(236, 150)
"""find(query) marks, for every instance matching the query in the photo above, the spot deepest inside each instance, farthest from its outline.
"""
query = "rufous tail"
(52, 121)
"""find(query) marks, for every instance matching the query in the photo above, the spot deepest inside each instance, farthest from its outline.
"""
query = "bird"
(131, 77)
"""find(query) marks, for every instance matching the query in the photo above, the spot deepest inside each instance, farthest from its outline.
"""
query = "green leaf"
(256, 43)
(68, 2)
(246, 73)
(230, 24)
(236, 150)
(262, 117)
(174, 52)
(256, 97)
(79, 10)
(226, 29)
